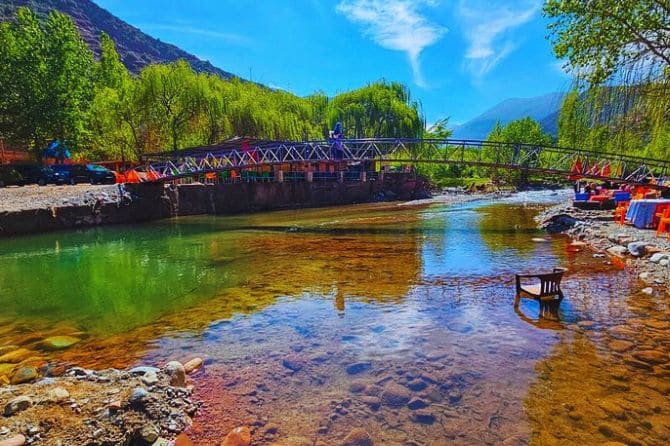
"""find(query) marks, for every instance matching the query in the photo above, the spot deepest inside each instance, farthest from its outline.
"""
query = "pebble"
(18, 404)
(16, 440)
(193, 365)
(24, 374)
(59, 342)
(58, 395)
(358, 367)
(358, 437)
(240, 436)
(395, 395)
(175, 370)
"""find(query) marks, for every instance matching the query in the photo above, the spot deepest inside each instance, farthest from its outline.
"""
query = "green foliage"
(53, 88)
(601, 37)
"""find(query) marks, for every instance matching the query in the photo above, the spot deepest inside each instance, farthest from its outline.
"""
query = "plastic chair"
(620, 212)
(663, 223)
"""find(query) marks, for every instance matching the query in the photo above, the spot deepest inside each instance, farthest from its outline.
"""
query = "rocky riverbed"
(13, 199)
(638, 250)
(139, 406)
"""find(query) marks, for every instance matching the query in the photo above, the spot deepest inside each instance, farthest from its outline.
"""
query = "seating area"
(545, 288)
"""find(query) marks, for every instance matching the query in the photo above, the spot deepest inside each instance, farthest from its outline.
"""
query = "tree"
(439, 130)
(573, 122)
(600, 37)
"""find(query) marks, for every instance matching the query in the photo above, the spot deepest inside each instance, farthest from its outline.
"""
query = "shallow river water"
(396, 318)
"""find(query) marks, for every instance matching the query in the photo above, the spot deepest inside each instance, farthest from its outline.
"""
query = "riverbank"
(625, 246)
(140, 406)
(33, 210)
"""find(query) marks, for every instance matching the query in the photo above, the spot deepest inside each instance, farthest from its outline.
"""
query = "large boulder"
(175, 370)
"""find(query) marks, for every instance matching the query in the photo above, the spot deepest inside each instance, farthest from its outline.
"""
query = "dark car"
(34, 174)
(100, 175)
(9, 176)
(78, 173)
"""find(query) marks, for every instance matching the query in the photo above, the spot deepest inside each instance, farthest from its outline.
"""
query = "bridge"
(240, 154)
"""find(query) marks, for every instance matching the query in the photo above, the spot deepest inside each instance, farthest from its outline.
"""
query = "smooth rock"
(423, 417)
(149, 433)
(240, 436)
(175, 370)
(59, 342)
(357, 387)
(293, 364)
(16, 440)
(395, 395)
(18, 404)
(58, 395)
(358, 367)
(371, 401)
(416, 385)
(637, 249)
(417, 403)
(358, 437)
(138, 395)
(656, 258)
(620, 346)
(193, 365)
(648, 290)
(24, 375)
(149, 378)
(651, 356)
(618, 251)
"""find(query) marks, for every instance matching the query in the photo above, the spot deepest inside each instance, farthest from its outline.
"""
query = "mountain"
(136, 48)
(543, 109)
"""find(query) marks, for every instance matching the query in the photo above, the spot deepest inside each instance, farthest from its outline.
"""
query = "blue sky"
(459, 57)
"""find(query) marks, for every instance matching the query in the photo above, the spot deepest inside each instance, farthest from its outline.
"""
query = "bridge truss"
(549, 160)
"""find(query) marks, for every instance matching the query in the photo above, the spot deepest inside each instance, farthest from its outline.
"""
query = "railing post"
(340, 176)
(280, 176)
(309, 176)
(364, 176)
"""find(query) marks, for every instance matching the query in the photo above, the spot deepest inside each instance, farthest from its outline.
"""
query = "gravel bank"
(637, 250)
(14, 199)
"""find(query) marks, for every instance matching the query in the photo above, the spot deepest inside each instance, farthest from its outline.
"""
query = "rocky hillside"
(136, 48)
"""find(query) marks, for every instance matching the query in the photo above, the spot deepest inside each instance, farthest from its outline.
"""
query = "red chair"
(664, 223)
(620, 212)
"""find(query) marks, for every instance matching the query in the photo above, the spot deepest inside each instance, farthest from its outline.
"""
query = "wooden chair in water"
(547, 292)
(621, 211)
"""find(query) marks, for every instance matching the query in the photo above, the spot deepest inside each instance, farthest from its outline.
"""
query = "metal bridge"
(240, 154)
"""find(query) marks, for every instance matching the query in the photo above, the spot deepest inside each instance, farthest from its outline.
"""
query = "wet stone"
(240, 436)
(423, 416)
(651, 356)
(357, 387)
(292, 364)
(358, 437)
(358, 367)
(175, 370)
(24, 374)
(417, 403)
(620, 346)
(59, 342)
(612, 409)
(395, 395)
(371, 401)
(416, 385)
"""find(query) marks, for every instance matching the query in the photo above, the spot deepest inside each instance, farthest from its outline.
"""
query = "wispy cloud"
(396, 25)
(233, 39)
(488, 29)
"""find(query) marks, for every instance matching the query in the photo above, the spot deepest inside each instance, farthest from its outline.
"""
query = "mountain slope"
(543, 109)
(136, 48)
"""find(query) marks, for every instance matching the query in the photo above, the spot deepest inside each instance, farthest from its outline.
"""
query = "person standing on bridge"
(337, 137)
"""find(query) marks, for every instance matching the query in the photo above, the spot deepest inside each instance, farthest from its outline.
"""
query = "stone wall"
(153, 201)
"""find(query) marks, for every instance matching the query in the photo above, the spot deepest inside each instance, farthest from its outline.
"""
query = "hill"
(136, 48)
(543, 109)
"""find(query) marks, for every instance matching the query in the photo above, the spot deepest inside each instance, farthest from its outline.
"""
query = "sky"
(458, 57)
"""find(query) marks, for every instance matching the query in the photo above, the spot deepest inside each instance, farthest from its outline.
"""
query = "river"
(396, 318)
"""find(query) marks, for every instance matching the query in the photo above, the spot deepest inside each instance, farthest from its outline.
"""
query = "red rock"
(240, 436)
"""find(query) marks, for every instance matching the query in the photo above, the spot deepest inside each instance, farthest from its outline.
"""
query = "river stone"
(395, 395)
(16, 440)
(423, 416)
(149, 433)
(637, 249)
(358, 367)
(357, 387)
(8, 348)
(293, 364)
(138, 395)
(240, 436)
(618, 250)
(175, 370)
(59, 342)
(193, 365)
(58, 395)
(358, 437)
(149, 378)
(539, 240)
(371, 401)
(648, 290)
(417, 403)
(612, 409)
(656, 258)
(417, 385)
(24, 375)
(142, 370)
(18, 404)
(620, 346)
(16, 356)
(651, 356)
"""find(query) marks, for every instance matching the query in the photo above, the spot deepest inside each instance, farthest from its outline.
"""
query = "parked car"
(9, 176)
(100, 175)
(78, 173)
(34, 174)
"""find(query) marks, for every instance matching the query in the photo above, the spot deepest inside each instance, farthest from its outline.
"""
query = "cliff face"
(136, 48)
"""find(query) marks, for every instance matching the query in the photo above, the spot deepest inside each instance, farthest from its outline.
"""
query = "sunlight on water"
(393, 317)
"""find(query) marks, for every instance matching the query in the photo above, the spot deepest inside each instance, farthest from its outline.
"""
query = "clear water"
(281, 305)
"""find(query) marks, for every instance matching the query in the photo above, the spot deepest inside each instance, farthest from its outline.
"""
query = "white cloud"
(396, 25)
(488, 27)
(233, 39)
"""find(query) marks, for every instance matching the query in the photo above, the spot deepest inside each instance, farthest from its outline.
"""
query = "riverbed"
(394, 318)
